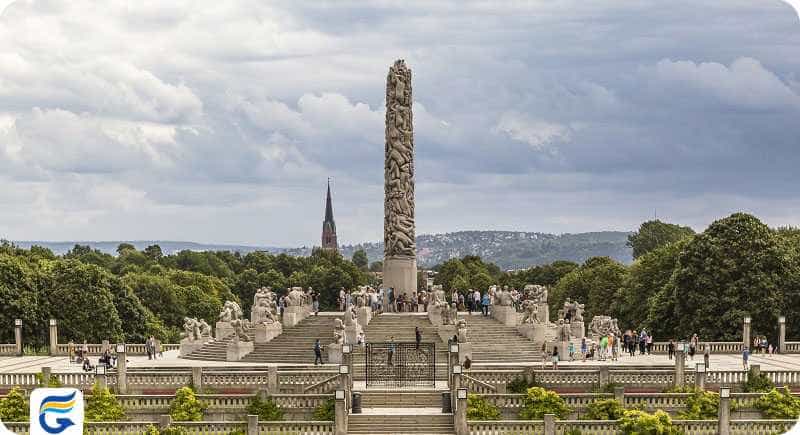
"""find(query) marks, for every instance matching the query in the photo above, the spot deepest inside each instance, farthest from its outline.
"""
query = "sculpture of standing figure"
(462, 330)
(338, 331)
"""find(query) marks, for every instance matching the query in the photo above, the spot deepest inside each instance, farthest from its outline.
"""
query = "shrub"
(607, 388)
(151, 430)
(608, 409)
(779, 404)
(573, 431)
(14, 407)
(635, 422)
(103, 405)
(185, 406)
(172, 430)
(702, 405)
(266, 410)
(326, 411)
(479, 409)
(757, 383)
(520, 385)
(538, 402)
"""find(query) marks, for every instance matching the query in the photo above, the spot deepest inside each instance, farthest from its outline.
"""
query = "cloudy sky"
(221, 121)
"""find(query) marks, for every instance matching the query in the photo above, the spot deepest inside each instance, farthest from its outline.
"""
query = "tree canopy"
(654, 234)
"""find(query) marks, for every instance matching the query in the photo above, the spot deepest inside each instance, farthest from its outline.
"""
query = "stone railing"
(295, 381)
(662, 347)
(610, 427)
(736, 377)
(222, 406)
(8, 349)
(97, 349)
(792, 346)
(324, 386)
(649, 378)
(198, 428)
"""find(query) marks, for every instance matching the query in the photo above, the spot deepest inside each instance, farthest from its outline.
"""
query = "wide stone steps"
(493, 342)
(398, 399)
(400, 423)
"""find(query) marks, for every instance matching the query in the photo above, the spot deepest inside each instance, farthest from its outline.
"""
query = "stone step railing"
(611, 427)
(735, 377)
(198, 428)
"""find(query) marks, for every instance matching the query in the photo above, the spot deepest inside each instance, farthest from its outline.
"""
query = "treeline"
(680, 283)
(97, 296)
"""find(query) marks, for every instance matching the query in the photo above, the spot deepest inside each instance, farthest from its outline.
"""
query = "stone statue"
(399, 236)
(191, 329)
(263, 293)
(461, 327)
(350, 317)
(579, 308)
(239, 326)
(603, 325)
(230, 311)
(264, 313)
(536, 293)
(338, 331)
(296, 297)
(438, 298)
(205, 329)
(504, 296)
(360, 297)
(531, 310)
(563, 330)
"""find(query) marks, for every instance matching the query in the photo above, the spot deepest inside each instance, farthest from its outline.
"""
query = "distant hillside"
(507, 249)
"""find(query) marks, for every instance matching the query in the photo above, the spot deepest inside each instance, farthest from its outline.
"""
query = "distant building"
(328, 225)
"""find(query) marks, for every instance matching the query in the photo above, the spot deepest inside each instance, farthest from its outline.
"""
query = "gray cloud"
(220, 122)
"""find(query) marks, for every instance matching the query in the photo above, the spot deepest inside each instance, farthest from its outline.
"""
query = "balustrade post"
(619, 395)
(164, 421)
(101, 381)
(122, 369)
(549, 424)
(756, 369)
(272, 380)
(340, 413)
(746, 332)
(454, 387)
(460, 411)
(252, 425)
(724, 426)
(197, 379)
(700, 376)
(18, 335)
(680, 368)
(54, 337)
(46, 373)
(782, 334)
(604, 376)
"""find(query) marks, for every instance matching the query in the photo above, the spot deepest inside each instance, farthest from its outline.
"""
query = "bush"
(479, 409)
(326, 411)
(151, 430)
(637, 422)
(14, 407)
(53, 382)
(702, 405)
(172, 430)
(757, 383)
(185, 406)
(607, 388)
(520, 385)
(538, 402)
(779, 404)
(608, 409)
(573, 431)
(266, 410)
(102, 405)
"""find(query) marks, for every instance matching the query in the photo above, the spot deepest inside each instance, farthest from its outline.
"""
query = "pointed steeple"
(328, 225)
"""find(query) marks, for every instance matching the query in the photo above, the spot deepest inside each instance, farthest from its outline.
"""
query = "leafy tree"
(186, 407)
(646, 277)
(123, 247)
(635, 422)
(654, 234)
(360, 259)
(597, 284)
(538, 402)
(606, 409)
(14, 407)
(102, 405)
(265, 409)
(480, 409)
(153, 252)
(376, 266)
(734, 268)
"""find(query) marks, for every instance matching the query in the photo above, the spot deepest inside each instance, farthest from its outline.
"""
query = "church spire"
(328, 225)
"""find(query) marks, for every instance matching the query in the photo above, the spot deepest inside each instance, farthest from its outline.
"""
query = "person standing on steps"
(390, 352)
(417, 336)
(317, 352)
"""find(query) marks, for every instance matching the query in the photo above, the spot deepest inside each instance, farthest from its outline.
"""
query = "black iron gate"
(400, 364)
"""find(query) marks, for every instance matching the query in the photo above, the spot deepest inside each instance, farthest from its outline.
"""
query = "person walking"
(706, 355)
(571, 351)
(317, 352)
(315, 302)
(555, 358)
(584, 350)
(417, 336)
(390, 352)
(149, 347)
(485, 302)
(745, 357)
(671, 348)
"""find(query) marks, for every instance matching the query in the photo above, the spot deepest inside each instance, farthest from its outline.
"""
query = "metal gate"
(400, 364)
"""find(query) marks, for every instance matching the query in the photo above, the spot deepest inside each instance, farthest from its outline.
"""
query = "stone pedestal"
(334, 353)
(746, 334)
(18, 336)
(351, 333)
(267, 331)
(293, 315)
(577, 330)
(400, 274)
(543, 313)
(446, 332)
(464, 351)
(54, 337)
(224, 329)
(237, 350)
(538, 333)
(505, 315)
(364, 316)
(435, 316)
(782, 334)
(189, 346)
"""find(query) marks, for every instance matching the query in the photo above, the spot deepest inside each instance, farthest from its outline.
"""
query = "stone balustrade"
(8, 349)
(97, 349)
(198, 428)
(648, 378)
(662, 347)
(792, 347)
(605, 427)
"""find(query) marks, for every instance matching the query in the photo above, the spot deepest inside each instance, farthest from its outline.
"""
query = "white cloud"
(540, 135)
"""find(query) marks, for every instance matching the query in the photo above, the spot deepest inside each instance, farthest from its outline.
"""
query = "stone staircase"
(493, 342)
(400, 421)
(294, 346)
